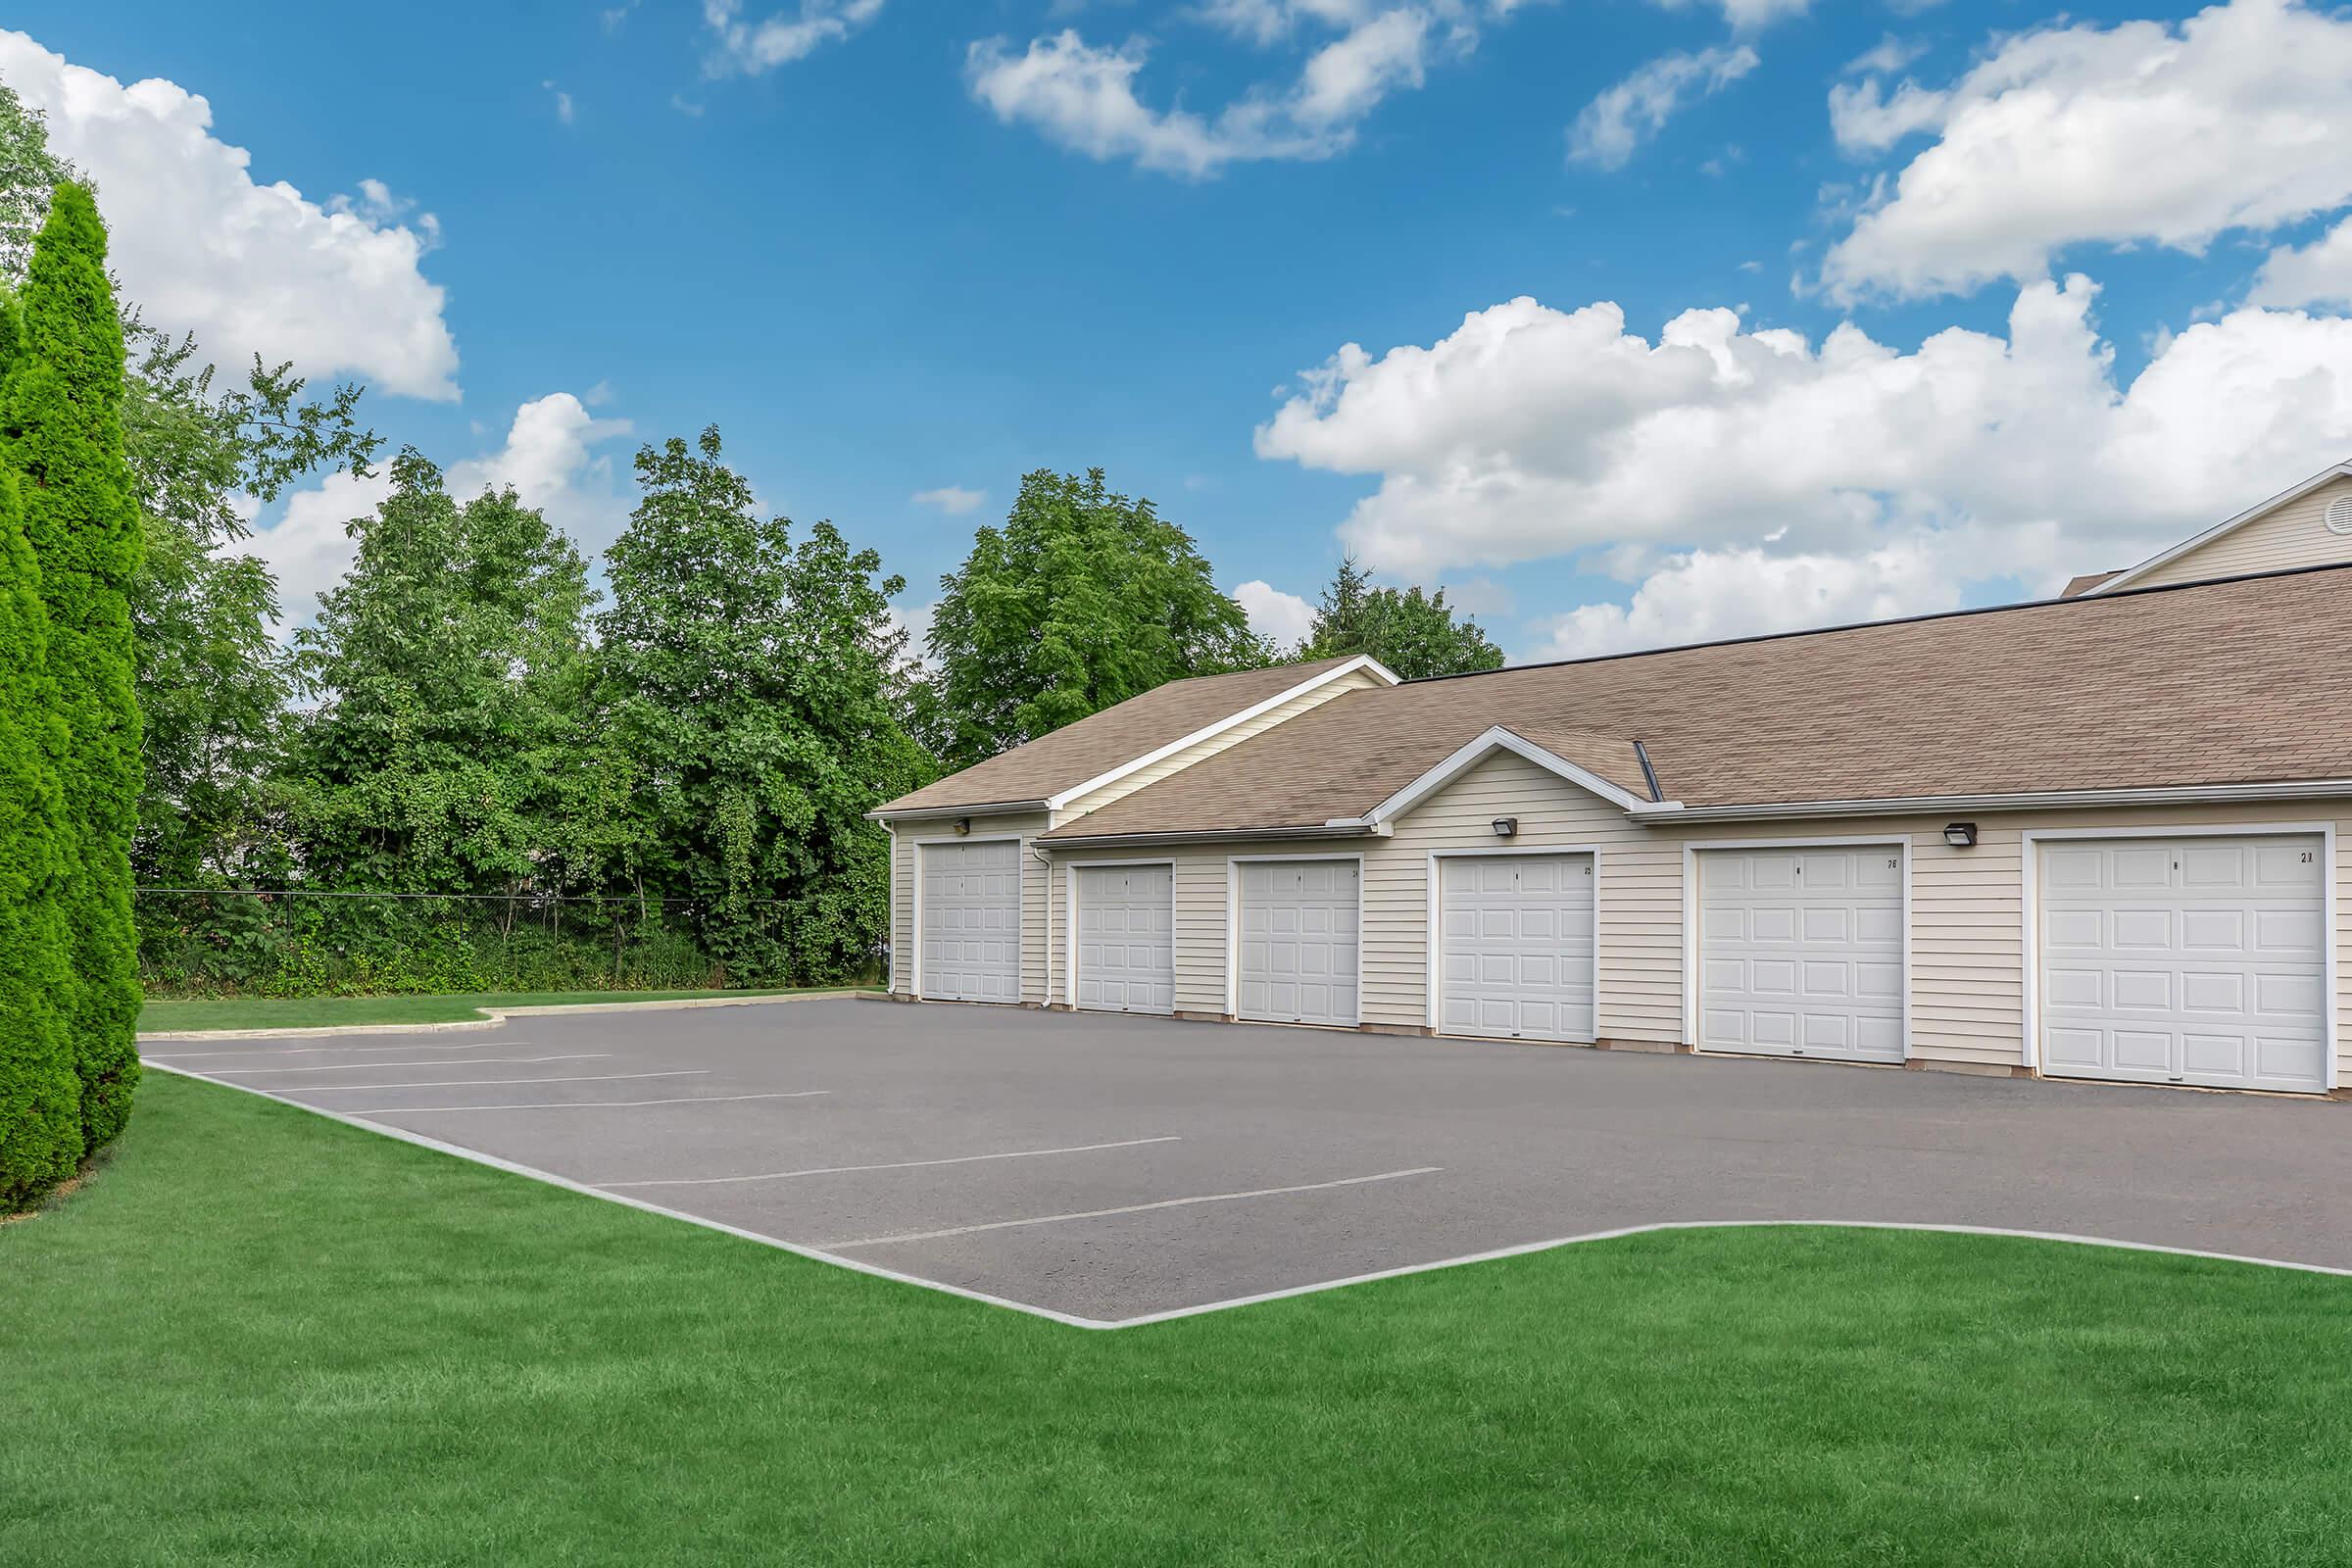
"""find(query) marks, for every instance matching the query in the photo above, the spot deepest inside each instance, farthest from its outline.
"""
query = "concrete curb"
(497, 1017)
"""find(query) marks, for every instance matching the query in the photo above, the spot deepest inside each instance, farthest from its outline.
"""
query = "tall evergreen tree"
(753, 685)
(211, 681)
(40, 1094)
(62, 425)
(1082, 599)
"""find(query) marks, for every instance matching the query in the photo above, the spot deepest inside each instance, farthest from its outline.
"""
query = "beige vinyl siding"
(1354, 681)
(1200, 939)
(905, 849)
(2295, 535)
(1551, 812)
(1968, 945)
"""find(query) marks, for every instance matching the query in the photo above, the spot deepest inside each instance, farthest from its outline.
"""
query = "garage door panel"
(2191, 960)
(2287, 932)
(1298, 961)
(1516, 958)
(969, 921)
(1801, 951)
(1126, 952)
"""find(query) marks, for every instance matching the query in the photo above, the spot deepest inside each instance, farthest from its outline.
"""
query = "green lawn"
(256, 1335)
(313, 1012)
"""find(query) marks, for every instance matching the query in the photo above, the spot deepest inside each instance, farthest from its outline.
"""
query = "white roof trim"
(1500, 739)
(1064, 797)
(1902, 804)
(977, 808)
(2132, 574)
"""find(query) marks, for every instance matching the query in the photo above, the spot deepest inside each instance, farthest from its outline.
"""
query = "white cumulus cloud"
(1531, 433)
(1284, 617)
(1620, 118)
(1084, 96)
(1705, 594)
(2317, 273)
(2145, 132)
(248, 267)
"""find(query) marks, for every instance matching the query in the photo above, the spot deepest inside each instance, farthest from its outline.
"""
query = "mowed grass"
(257, 1336)
(316, 1012)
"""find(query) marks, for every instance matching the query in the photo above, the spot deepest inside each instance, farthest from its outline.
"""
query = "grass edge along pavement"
(174, 1018)
(374, 1352)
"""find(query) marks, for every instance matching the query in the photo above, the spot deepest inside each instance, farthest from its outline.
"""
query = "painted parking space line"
(1129, 1208)
(489, 1083)
(362, 1066)
(576, 1105)
(898, 1164)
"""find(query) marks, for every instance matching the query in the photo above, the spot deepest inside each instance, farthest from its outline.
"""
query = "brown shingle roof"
(2241, 681)
(1100, 742)
(2086, 582)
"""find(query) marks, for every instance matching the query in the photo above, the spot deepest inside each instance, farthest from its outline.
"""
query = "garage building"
(2094, 837)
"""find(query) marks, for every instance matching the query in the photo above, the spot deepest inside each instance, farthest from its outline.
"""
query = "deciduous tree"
(751, 683)
(1081, 600)
(1415, 634)
(446, 669)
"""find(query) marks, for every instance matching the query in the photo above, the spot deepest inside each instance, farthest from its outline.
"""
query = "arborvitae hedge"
(40, 1097)
(64, 428)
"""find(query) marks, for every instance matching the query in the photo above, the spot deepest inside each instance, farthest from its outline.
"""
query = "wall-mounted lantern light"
(964, 825)
(1505, 826)
(1960, 835)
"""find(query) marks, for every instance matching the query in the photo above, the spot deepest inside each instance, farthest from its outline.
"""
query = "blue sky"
(941, 245)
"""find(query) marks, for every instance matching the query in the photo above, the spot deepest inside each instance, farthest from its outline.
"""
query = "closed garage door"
(971, 922)
(1515, 949)
(2191, 960)
(1801, 953)
(1126, 949)
(1298, 952)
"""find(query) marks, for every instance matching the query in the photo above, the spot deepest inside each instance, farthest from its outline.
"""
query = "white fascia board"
(1500, 739)
(2132, 574)
(1363, 661)
(2042, 800)
(1225, 835)
(922, 813)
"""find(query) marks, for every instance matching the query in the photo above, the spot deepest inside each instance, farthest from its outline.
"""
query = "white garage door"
(1515, 949)
(971, 922)
(1126, 949)
(1297, 941)
(1801, 953)
(2192, 960)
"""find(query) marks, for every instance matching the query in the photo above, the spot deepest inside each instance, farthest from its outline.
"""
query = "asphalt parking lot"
(1109, 1170)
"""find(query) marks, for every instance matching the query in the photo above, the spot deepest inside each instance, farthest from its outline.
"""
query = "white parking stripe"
(1131, 1208)
(578, 1104)
(486, 1083)
(361, 1066)
(305, 1050)
(901, 1165)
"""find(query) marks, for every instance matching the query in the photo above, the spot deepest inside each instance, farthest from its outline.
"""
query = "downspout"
(1045, 858)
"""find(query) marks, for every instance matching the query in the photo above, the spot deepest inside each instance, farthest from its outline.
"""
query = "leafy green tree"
(751, 683)
(40, 1094)
(1082, 599)
(62, 425)
(447, 669)
(1416, 635)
